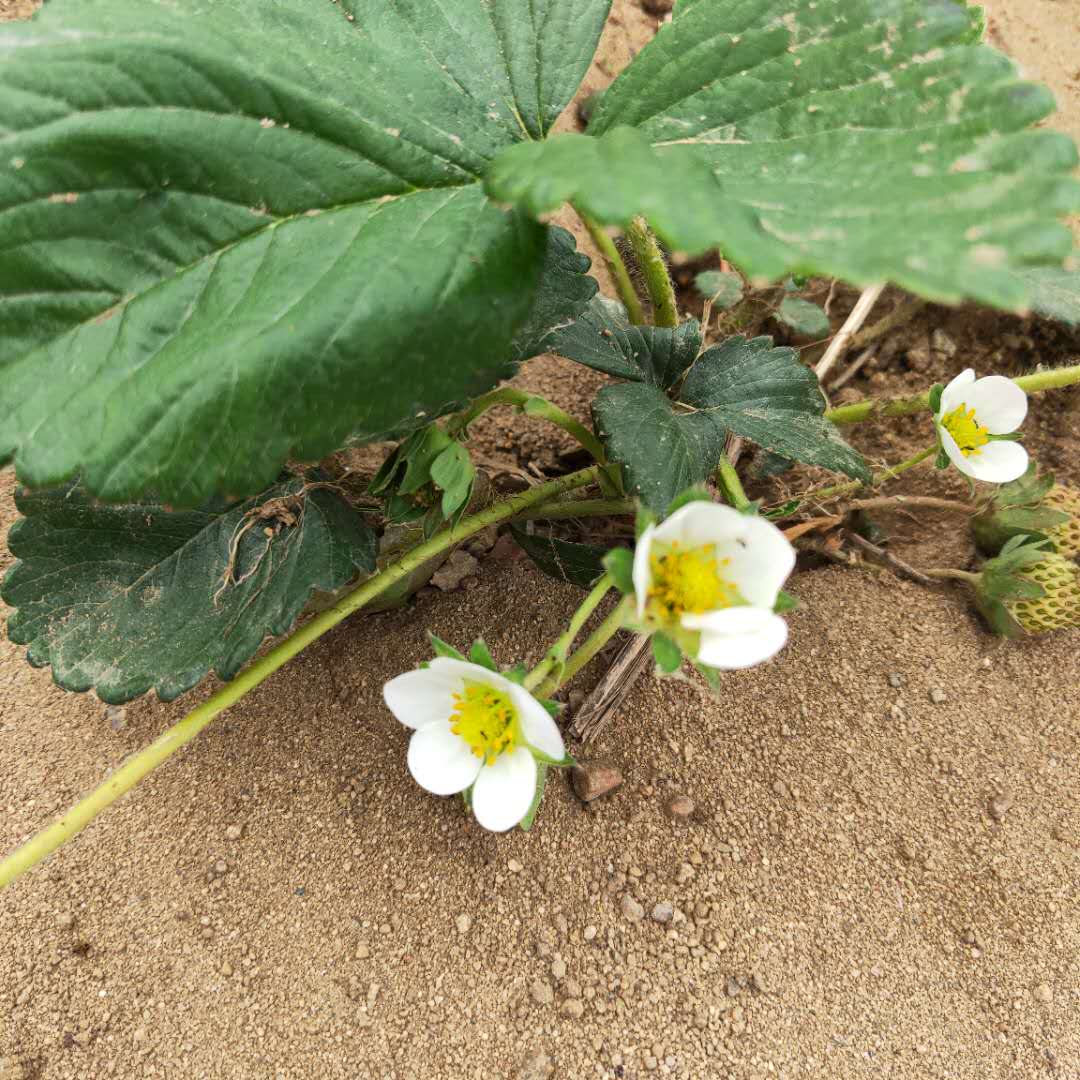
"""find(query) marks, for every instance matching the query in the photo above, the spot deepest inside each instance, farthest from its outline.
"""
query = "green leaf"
(453, 472)
(785, 602)
(767, 395)
(1054, 291)
(526, 822)
(662, 451)
(441, 648)
(238, 232)
(690, 495)
(603, 338)
(125, 599)
(418, 455)
(803, 317)
(480, 654)
(722, 288)
(564, 292)
(868, 140)
(666, 653)
(934, 397)
(619, 563)
(579, 564)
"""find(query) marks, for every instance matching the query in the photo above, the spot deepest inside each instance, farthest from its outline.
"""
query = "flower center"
(486, 719)
(965, 429)
(688, 580)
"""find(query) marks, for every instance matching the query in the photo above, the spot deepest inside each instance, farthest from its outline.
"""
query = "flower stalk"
(624, 285)
(654, 267)
(556, 657)
(589, 648)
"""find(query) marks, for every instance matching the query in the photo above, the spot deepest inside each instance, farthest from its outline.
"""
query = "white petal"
(737, 637)
(1000, 405)
(998, 462)
(956, 392)
(761, 560)
(956, 455)
(419, 697)
(505, 790)
(440, 761)
(642, 573)
(539, 728)
(699, 523)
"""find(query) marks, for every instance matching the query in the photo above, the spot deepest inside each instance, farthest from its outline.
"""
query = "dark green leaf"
(604, 338)
(666, 653)
(863, 139)
(767, 395)
(564, 292)
(722, 288)
(238, 232)
(619, 563)
(579, 564)
(662, 451)
(124, 599)
(803, 317)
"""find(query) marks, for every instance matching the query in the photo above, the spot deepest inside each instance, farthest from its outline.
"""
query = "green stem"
(954, 575)
(556, 655)
(580, 508)
(531, 405)
(731, 484)
(144, 762)
(654, 267)
(879, 478)
(624, 285)
(589, 648)
(1036, 383)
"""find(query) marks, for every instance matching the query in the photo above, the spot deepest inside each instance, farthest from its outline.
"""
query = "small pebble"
(1000, 805)
(896, 680)
(595, 779)
(663, 912)
(631, 908)
(541, 993)
(514, 866)
(558, 968)
(234, 832)
(658, 7)
(1043, 993)
(117, 717)
(733, 988)
(572, 1008)
(362, 951)
(463, 923)
(65, 920)
(679, 807)
(938, 696)
(589, 933)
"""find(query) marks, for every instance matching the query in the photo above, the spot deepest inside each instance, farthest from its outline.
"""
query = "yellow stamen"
(688, 580)
(486, 719)
(969, 434)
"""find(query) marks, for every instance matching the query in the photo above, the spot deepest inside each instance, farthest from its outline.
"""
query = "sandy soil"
(879, 878)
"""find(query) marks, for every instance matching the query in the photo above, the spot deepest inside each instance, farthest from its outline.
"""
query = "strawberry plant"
(239, 238)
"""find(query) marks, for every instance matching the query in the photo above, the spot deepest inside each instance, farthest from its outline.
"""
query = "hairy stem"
(1036, 383)
(589, 648)
(580, 508)
(144, 762)
(531, 405)
(879, 478)
(556, 656)
(952, 575)
(624, 284)
(654, 267)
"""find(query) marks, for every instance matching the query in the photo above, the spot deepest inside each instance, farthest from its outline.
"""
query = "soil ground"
(879, 878)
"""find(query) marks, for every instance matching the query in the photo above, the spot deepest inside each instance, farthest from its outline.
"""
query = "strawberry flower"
(973, 419)
(474, 729)
(709, 577)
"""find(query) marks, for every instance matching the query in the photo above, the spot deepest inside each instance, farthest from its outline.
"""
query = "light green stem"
(589, 648)
(731, 484)
(144, 762)
(531, 405)
(624, 285)
(1036, 383)
(954, 575)
(879, 478)
(556, 656)
(654, 267)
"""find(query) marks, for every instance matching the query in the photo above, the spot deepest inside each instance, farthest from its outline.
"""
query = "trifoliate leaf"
(803, 317)
(767, 395)
(720, 287)
(579, 564)
(868, 140)
(603, 338)
(125, 599)
(240, 231)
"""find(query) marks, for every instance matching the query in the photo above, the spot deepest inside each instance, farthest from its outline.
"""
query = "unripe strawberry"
(1066, 536)
(1059, 606)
